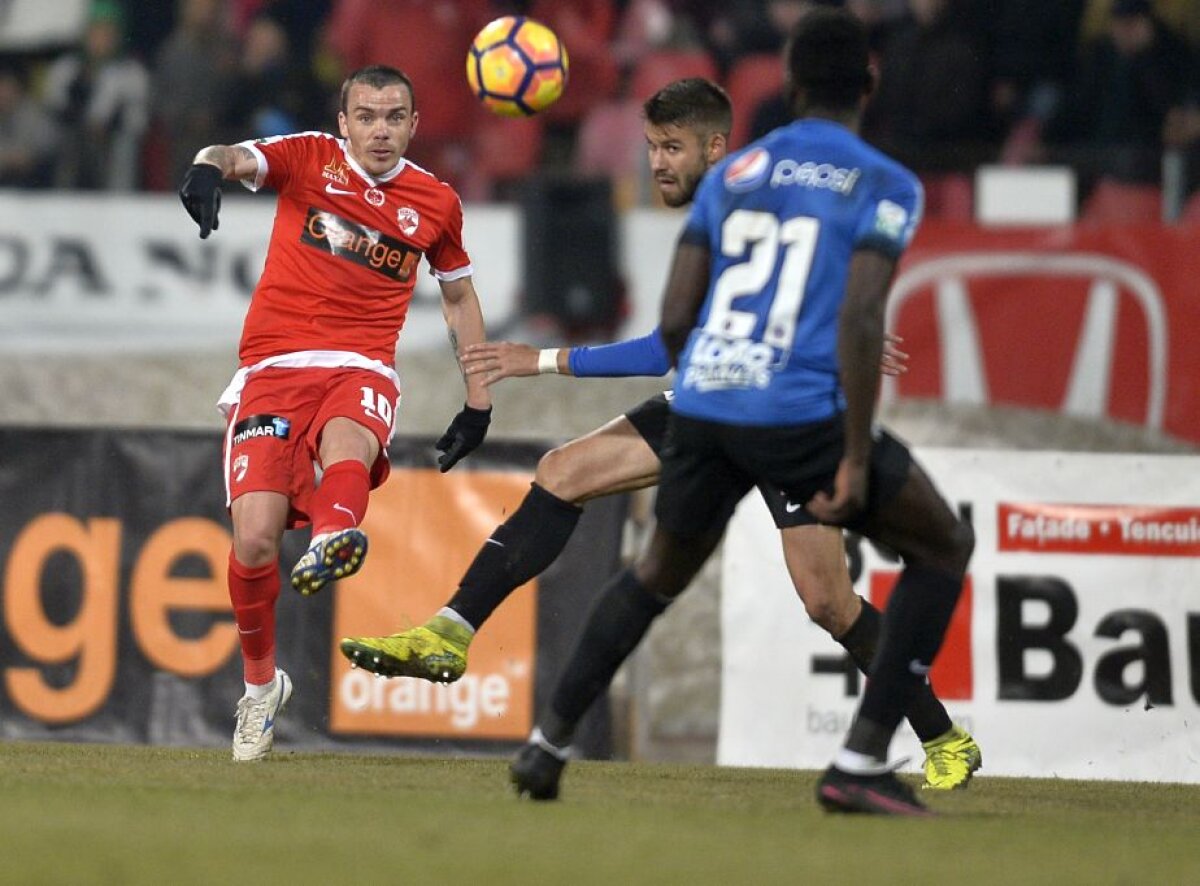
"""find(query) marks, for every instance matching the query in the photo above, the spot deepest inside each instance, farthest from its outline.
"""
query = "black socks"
(926, 714)
(521, 547)
(618, 620)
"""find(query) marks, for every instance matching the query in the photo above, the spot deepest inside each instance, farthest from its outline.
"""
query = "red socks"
(340, 502)
(253, 592)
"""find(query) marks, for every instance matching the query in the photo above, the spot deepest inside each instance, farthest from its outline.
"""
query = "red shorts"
(274, 433)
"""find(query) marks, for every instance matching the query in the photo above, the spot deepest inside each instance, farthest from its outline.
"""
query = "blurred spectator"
(766, 34)
(648, 25)
(100, 97)
(193, 78)
(271, 94)
(586, 28)
(300, 20)
(428, 40)
(930, 109)
(881, 17)
(28, 136)
(746, 28)
(1031, 62)
(1112, 125)
(1182, 16)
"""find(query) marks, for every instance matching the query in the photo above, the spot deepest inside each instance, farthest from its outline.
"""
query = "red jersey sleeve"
(278, 157)
(447, 257)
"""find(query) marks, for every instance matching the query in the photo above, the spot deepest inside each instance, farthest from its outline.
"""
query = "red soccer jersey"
(341, 265)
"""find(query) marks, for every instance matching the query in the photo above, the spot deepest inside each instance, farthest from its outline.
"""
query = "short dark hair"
(827, 58)
(377, 77)
(693, 102)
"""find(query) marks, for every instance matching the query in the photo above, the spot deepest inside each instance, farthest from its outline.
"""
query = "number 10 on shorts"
(376, 405)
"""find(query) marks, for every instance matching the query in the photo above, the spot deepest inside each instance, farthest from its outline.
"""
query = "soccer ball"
(516, 66)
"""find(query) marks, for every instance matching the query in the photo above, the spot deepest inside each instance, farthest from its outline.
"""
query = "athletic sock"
(926, 714)
(340, 501)
(259, 691)
(253, 592)
(618, 620)
(521, 547)
(917, 616)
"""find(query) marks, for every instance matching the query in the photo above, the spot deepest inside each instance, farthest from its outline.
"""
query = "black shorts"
(650, 418)
(709, 466)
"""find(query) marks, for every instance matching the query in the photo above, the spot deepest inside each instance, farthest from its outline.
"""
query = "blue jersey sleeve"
(635, 356)
(891, 215)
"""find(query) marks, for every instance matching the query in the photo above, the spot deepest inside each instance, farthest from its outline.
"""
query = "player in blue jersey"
(687, 123)
(774, 311)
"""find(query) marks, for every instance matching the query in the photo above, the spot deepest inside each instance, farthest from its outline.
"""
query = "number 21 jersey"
(781, 220)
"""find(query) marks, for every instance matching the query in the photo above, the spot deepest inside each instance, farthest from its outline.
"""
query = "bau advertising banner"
(1075, 648)
(116, 623)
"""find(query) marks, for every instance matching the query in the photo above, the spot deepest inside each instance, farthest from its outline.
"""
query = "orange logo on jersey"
(359, 244)
(337, 171)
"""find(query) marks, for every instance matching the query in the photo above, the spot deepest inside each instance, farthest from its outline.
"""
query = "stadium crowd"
(1105, 86)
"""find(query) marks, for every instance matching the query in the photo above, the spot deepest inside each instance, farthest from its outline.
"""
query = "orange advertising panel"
(425, 528)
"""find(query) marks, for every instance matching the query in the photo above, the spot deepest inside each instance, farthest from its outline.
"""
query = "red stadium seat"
(1117, 202)
(658, 68)
(502, 151)
(611, 140)
(949, 196)
(612, 143)
(752, 79)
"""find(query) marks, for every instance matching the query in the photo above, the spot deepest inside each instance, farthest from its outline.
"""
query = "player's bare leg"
(258, 522)
(338, 547)
(613, 458)
(816, 561)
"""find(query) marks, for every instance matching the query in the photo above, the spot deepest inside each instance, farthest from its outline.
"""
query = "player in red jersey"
(316, 381)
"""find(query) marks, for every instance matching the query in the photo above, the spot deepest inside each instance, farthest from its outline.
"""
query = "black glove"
(465, 433)
(201, 196)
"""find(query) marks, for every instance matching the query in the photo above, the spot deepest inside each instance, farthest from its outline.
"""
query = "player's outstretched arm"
(493, 361)
(642, 356)
(201, 188)
(464, 323)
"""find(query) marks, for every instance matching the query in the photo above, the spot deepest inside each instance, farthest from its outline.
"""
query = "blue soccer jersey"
(782, 218)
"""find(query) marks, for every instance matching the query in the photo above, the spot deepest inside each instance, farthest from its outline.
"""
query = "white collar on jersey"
(373, 180)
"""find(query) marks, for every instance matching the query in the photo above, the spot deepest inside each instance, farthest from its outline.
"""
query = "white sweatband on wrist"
(548, 361)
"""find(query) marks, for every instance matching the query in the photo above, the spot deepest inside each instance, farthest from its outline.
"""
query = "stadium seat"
(949, 196)
(503, 151)
(612, 143)
(1116, 202)
(752, 79)
(655, 70)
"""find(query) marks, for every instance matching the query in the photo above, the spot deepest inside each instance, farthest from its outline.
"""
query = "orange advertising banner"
(115, 622)
(424, 528)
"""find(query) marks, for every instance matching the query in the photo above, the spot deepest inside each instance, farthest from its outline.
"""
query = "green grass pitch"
(82, 814)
